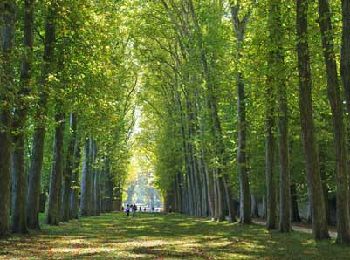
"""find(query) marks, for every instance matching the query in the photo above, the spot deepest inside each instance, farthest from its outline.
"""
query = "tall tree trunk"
(345, 51)
(333, 89)
(241, 154)
(93, 173)
(239, 26)
(97, 192)
(86, 185)
(40, 121)
(8, 17)
(18, 216)
(68, 174)
(18, 173)
(74, 196)
(325, 188)
(271, 196)
(316, 198)
(294, 203)
(345, 55)
(277, 70)
(254, 206)
(53, 210)
(215, 123)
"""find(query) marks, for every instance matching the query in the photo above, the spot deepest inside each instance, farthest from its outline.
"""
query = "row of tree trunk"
(204, 190)
(20, 196)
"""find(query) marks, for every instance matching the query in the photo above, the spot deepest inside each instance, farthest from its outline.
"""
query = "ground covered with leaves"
(156, 236)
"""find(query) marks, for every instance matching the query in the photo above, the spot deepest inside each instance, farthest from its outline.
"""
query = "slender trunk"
(323, 173)
(277, 70)
(39, 131)
(18, 216)
(65, 200)
(271, 198)
(254, 207)
(180, 194)
(216, 130)
(86, 185)
(285, 197)
(74, 196)
(210, 189)
(345, 55)
(53, 210)
(97, 193)
(68, 174)
(294, 203)
(229, 200)
(5, 178)
(108, 190)
(239, 26)
(264, 213)
(345, 51)
(6, 70)
(316, 198)
(334, 97)
(245, 214)
(94, 172)
(18, 172)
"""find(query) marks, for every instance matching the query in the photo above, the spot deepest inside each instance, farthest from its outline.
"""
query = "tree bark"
(53, 210)
(8, 18)
(97, 192)
(295, 206)
(20, 115)
(345, 52)
(40, 121)
(18, 215)
(277, 70)
(239, 26)
(316, 196)
(334, 97)
(68, 173)
(74, 196)
(271, 196)
(86, 184)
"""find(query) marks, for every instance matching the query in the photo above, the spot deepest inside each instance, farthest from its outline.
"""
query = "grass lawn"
(155, 236)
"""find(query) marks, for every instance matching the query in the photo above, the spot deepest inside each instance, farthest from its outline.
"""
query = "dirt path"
(297, 227)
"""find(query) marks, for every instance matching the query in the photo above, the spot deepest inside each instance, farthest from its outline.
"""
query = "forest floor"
(157, 236)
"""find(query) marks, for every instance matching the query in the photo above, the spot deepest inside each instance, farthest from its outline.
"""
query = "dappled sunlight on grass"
(152, 236)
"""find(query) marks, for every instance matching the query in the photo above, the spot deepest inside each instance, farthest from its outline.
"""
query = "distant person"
(170, 209)
(127, 210)
(144, 210)
(134, 208)
(152, 209)
(140, 209)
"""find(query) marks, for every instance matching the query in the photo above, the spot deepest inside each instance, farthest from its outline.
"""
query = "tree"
(333, 90)
(8, 20)
(345, 51)
(278, 71)
(41, 114)
(319, 221)
(19, 221)
(239, 26)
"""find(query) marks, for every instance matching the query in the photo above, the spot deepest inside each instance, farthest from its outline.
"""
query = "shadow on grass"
(152, 236)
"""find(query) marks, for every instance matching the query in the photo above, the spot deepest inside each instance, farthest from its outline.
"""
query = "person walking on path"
(127, 210)
(134, 208)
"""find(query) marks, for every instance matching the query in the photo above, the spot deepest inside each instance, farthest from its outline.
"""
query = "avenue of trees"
(243, 103)
(66, 110)
(248, 101)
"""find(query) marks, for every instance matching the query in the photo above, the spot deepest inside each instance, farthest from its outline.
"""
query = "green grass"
(156, 236)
